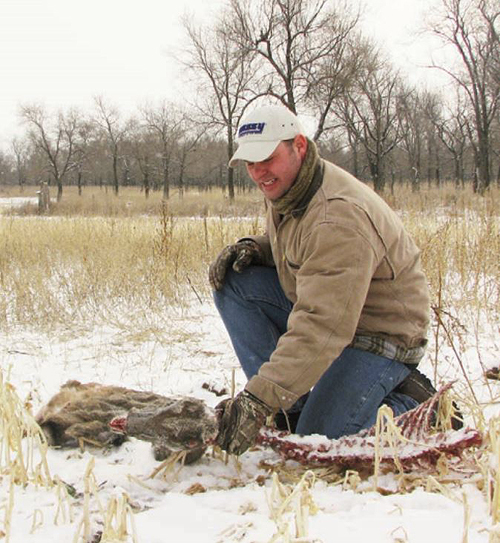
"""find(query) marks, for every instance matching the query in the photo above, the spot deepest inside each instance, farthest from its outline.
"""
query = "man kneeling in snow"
(327, 312)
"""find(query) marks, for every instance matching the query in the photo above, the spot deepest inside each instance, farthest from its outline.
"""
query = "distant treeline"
(311, 56)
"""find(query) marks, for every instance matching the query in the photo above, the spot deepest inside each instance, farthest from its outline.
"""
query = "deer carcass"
(81, 413)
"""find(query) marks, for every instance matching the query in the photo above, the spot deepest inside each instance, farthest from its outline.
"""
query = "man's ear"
(300, 144)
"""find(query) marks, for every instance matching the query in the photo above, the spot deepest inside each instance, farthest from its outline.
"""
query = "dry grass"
(131, 202)
(459, 236)
(460, 255)
(55, 270)
(98, 253)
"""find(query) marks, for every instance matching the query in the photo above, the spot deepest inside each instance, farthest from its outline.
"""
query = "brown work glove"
(240, 420)
(239, 255)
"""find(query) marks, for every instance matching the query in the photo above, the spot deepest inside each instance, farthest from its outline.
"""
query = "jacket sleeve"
(337, 262)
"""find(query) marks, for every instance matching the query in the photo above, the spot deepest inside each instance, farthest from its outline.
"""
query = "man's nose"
(258, 169)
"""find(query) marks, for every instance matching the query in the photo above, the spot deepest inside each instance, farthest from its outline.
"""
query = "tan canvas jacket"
(349, 268)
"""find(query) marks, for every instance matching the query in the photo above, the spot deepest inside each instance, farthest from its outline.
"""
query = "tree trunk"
(415, 180)
(230, 171)
(456, 163)
(146, 180)
(377, 173)
(483, 164)
(59, 189)
(166, 180)
(355, 161)
(230, 183)
(181, 181)
(115, 174)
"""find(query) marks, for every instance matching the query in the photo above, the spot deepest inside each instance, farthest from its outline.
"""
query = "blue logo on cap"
(251, 128)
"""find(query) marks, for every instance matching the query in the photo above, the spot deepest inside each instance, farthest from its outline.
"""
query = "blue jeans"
(346, 399)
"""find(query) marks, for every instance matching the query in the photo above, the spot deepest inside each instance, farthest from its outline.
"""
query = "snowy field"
(213, 500)
(186, 351)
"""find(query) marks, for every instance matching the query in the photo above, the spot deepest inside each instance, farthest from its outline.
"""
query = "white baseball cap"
(262, 130)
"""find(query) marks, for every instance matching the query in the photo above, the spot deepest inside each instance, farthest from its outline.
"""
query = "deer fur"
(80, 413)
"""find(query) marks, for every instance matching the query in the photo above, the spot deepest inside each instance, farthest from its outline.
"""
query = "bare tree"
(55, 140)
(144, 147)
(301, 43)
(164, 122)
(227, 77)
(5, 168)
(114, 130)
(432, 107)
(370, 113)
(470, 27)
(83, 151)
(20, 148)
(335, 74)
(190, 135)
(451, 124)
(412, 119)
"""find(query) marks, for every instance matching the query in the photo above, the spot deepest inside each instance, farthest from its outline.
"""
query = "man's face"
(275, 175)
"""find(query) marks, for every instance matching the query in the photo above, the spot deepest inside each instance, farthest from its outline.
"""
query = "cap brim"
(256, 151)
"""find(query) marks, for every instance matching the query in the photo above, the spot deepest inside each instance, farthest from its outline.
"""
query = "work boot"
(419, 387)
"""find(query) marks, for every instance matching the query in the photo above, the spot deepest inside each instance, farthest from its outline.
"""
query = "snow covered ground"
(213, 501)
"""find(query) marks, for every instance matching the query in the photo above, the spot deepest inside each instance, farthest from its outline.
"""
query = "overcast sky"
(62, 53)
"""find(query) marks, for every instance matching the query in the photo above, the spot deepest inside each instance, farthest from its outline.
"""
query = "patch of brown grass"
(131, 202)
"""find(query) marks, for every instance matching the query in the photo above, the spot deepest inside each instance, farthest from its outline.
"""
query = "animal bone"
(410, 441)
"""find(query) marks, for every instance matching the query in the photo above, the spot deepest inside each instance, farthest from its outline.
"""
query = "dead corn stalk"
(494, 535)
(114, 517)
(166, 468)
(437, 313)
(387, 436)
(23, 451)
(298, 501)
(116, 520)
(90, 489)
(493, 483)
(64, 510)
(8, 508)
(20, 440)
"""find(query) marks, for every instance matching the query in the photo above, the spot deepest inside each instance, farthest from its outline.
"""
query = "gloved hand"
(240, 420)
(240, 255)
